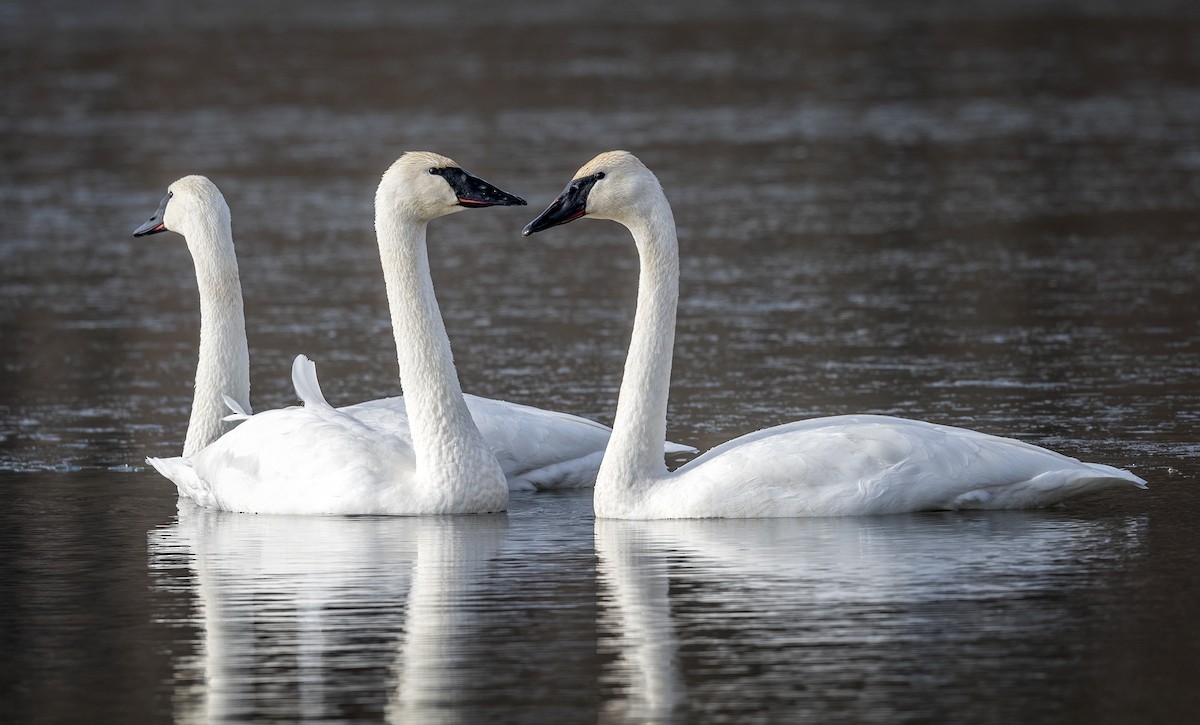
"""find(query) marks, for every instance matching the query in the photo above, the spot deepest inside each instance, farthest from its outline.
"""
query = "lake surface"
(979, 217)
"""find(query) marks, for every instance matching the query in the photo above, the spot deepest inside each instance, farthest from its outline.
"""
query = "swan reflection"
(635, 610)
(812, 606)
(323, 617)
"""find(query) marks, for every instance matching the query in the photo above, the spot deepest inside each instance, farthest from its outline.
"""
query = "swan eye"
(599, 175)
(433, 171)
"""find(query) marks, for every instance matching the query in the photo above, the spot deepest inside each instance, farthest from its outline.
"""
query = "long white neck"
(633, 459)
(452, 458)
(224, 365)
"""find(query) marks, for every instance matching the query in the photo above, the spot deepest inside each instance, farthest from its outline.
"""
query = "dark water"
(986, 217)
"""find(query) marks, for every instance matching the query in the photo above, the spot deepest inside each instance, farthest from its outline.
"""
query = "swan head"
(423, 186)
(615, 185)
(190, 201)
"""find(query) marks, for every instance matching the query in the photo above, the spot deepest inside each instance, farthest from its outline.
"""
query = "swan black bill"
(473, 191)
(569, 206)
(155, 223)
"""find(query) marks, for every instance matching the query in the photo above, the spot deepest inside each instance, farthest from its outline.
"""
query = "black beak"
(473, 191)
(569, 206)
(156, 224)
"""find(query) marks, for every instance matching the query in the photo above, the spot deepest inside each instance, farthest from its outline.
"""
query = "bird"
(377, 457)
(832, 466)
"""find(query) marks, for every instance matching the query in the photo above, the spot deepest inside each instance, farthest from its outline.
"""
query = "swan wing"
(569, 426)
(538, 449)
(238, 412)
(544, 449)
(852, 465)
(306, 461)
(383, 414)
(304, 380)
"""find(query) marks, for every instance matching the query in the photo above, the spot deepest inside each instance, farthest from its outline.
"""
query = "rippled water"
(980, 217)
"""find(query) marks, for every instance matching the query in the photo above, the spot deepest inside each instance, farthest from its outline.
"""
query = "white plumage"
(317, 459)
(838, 466)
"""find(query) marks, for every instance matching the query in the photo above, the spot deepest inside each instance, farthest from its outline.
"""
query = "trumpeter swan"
(837, 466)
(536, 448)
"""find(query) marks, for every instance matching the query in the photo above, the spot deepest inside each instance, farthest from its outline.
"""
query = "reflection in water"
(712, 616)
(442, 619)
(396, 619)
(635, 617)
(319, 617)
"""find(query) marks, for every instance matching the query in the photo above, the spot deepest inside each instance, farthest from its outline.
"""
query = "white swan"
(538, 449)
(195, 208)
(839, 466)
(318, 460)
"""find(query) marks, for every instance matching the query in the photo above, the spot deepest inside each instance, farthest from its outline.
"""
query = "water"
(984, 218)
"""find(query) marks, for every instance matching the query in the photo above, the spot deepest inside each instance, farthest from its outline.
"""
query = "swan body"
(537, 449)
(836, 466)
(316, 460)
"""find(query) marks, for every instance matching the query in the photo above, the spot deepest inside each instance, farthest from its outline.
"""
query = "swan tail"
(576, 473)
(671, 448)
(1116, 475)
(1048, 489)
(304, 379)
(239, 413)
(1096, 477)
(180, 472)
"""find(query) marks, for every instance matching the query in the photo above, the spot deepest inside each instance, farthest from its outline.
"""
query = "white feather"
(840, 466)
(239, 413)
(536, 448)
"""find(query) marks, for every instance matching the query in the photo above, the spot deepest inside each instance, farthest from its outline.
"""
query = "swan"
(195, 208)
(835, 466)
(537, 449)
(316, 459)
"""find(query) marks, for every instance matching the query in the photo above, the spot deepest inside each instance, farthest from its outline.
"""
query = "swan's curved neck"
(224, 365)
(634, 456)
(451, 453)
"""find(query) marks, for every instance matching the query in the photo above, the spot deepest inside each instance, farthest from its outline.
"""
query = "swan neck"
(634, 456)
(224, 362)
(451, 453)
